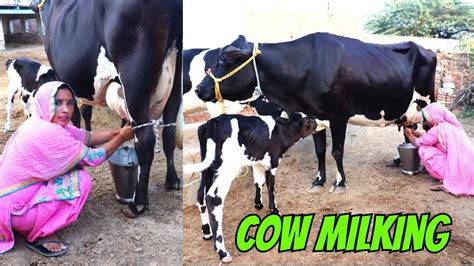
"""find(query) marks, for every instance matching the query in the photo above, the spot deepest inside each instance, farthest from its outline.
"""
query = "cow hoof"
(129, 213)
(258, 206)
(314, 189)
(337, 190)
(227, 258)
(174, 186)
(207, 237)
(132, 212)
(275, 211)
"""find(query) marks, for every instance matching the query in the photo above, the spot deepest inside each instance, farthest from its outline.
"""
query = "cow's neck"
(281, 74)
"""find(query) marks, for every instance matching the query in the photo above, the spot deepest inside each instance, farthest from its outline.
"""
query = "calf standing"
(26, 76)
(229, 142)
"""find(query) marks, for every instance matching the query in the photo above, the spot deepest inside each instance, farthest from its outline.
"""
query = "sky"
(215, 23)
(212, 23)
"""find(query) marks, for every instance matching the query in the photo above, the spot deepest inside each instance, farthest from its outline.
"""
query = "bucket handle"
(129, 150)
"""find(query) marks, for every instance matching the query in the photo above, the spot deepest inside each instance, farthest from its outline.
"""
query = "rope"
(157, 124)
(217, 90)
(246, 168)
(40, 5)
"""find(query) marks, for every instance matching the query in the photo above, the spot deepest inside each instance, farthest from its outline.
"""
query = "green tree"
(445, 19)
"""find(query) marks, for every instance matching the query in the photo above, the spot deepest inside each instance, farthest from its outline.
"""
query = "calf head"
(300, 126)
(413, 114)
(239, 86)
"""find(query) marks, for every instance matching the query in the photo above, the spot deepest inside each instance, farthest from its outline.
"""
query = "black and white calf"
(229, 142)
(26, 76)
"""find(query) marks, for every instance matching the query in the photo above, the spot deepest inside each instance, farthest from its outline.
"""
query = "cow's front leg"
(145, 141)
(338, 132)
(259, 180)
(170, 114)
(270, 178)
(320, 148)
(215, 203)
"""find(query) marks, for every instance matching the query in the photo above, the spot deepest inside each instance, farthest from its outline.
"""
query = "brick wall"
(455, 67)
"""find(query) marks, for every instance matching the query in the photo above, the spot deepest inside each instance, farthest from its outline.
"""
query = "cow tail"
(206, 162)
(9, 61)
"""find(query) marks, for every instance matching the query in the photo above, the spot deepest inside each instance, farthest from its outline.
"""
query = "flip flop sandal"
(38, 247)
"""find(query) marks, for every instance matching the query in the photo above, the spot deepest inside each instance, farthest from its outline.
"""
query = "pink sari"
(43, 186)
(447, 152)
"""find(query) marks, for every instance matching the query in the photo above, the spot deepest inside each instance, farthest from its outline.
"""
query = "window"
(15, 26)
(31, 26)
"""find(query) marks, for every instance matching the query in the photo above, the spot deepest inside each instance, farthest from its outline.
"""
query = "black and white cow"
(332, 78)
(195, 64)
(26, 76)
(133, 46)
(229, 142)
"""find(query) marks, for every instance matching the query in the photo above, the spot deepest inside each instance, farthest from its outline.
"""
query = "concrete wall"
(2, 38)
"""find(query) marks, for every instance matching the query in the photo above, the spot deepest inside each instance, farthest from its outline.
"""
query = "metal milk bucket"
(124, 167)
(409, 158)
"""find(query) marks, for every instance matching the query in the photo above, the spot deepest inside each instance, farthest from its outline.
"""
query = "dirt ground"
(371, 188)
(102, 234)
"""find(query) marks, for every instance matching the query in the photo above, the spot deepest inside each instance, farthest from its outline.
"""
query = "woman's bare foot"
(52, 246)
(437, 187)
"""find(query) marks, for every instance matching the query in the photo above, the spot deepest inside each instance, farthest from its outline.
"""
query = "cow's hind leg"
(320, 148)
(26, 104)
(338, 132)
(76, 116)
(170, 114)
(207, 177)
(86, 112)
(215, 203)
(11, 96)
(270, 178)
(259, 179)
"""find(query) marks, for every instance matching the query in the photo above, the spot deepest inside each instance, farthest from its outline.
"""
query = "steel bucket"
(124, 167)
(410, 159)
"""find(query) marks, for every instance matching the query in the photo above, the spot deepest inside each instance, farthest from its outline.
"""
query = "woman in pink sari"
(445, 150)
(43, 184)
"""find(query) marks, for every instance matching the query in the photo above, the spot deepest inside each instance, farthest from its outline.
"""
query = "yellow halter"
(40, 5)
(217, 90)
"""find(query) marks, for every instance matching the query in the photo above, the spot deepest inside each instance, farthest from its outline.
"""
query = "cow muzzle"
(205, 94)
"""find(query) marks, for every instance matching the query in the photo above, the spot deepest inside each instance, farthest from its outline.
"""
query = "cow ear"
(239, 42)
(231, 52)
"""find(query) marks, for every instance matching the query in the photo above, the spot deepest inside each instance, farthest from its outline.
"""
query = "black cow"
(195, 63)
(332, 78)
(96, 44)
(229, 142)
(26, 76)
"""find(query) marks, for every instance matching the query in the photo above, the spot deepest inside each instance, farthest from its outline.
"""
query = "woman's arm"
(124, 134)
(100, 137)
(410, 134)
